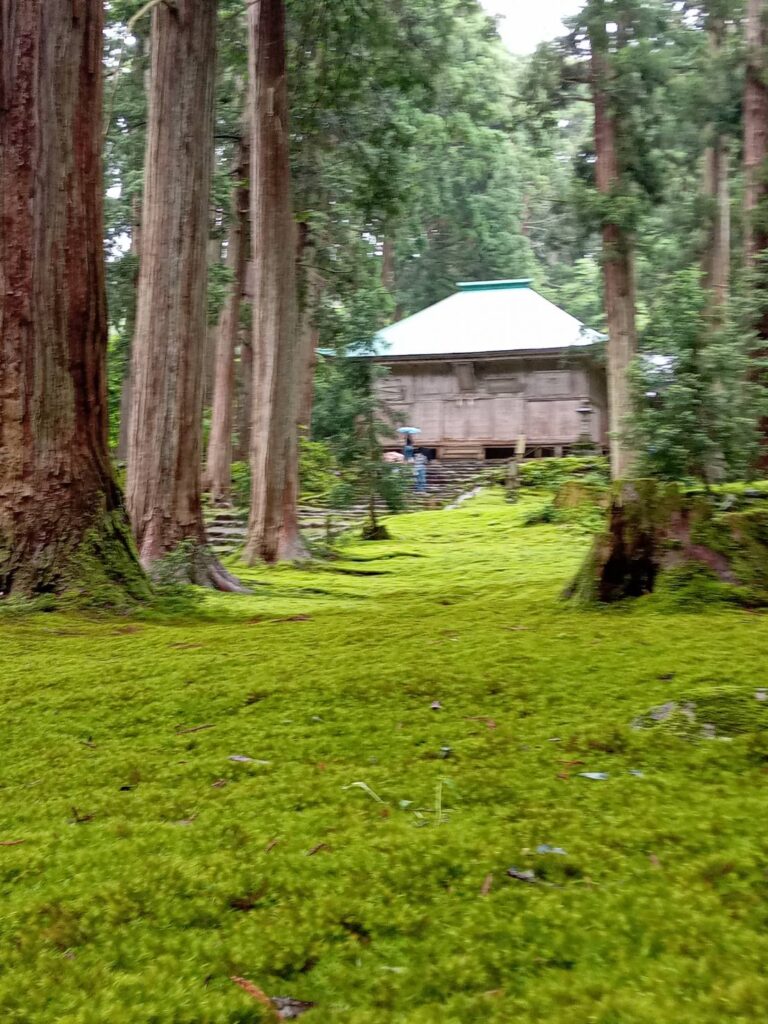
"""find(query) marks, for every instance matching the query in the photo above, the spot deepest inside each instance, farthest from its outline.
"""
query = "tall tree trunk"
(62, 525)
(309, 337)
(618, 269)
(273, 532)
(717, 255)
(219, 460)
(756, 131)
(169, 347)
(310, 340)
(716, 263)
(126, 391)
(245, 408)
(388, 275)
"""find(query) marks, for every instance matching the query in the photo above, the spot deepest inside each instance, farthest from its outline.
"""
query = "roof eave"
(453, 357)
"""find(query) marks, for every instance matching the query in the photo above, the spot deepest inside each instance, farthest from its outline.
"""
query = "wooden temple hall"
(494, 370)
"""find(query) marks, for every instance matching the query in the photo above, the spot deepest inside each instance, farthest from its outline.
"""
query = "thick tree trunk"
(62, 526)
(273, 532)
(756, 131)
(618, 272)
(657, 538)
(169, 347)
(219, 460)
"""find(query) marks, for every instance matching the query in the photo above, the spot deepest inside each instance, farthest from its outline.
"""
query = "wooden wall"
(466, 405)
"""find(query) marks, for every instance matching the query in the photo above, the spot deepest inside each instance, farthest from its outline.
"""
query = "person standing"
(421, 460)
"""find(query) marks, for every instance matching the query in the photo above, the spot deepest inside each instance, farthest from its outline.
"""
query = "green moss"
(690, 586)
(104, 572)
(733, 710)
(550, 474)
(153, 867)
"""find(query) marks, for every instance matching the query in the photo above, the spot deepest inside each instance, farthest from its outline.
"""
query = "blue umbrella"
(409, 430)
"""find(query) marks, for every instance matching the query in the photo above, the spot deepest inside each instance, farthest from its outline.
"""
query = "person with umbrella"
(408, 450)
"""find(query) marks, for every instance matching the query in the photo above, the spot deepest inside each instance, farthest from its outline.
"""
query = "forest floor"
(260, 787)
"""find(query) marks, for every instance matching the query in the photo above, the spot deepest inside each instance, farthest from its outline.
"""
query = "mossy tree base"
(193, 562)
(97, 568)
(656, 537)
(374, 531)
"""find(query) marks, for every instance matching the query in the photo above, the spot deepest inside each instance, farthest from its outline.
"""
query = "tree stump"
(659, 537)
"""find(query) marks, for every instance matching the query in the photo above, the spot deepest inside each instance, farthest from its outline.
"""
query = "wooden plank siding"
(464, 406)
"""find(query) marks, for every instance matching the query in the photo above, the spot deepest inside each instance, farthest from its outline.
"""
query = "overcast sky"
(527, 23)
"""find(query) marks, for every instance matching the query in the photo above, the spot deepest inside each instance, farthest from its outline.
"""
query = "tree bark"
(273, 533)
(309, 336)
(618, 268)
(756, 131)
(126, 391)
(219, 459)
(716, 262)
(245, 408)
(659, 538)
(62, 525)
(717, 256)
(169, 347)
(388, 275)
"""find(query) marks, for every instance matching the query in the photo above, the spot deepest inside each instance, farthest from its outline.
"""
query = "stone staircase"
(446, 481)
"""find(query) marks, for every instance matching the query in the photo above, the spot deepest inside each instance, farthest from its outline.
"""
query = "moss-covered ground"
(360, 859)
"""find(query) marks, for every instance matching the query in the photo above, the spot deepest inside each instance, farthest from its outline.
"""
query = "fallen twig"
(255, 993)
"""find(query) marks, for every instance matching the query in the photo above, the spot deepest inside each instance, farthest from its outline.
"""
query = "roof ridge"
(482, 286)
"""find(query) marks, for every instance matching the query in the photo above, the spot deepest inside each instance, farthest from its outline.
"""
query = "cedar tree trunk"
(618, 271)
(717, 253)
(169, 347)
(245, 409)
(273, 532)
(62, 526)
(389, 276)
(219, 460)
(756, 131)
(657, 536)
(717, 256)
(309, 336)
(126, 392)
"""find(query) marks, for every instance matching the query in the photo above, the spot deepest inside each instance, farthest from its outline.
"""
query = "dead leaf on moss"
(487, 885)
(13, 842)
(522, 876)
(290, 1009)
